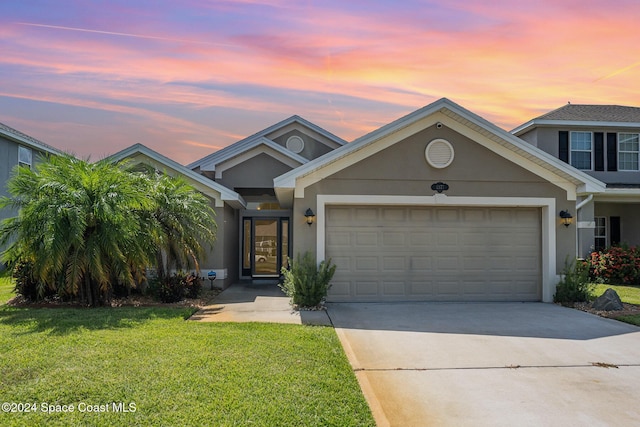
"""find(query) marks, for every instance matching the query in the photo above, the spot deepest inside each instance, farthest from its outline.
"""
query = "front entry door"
(265, 246)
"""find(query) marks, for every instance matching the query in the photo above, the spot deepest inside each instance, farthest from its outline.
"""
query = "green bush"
(617, 265)
(575, 285)
(26, 285)
(176, 287)
(192, 286)
(307, 283)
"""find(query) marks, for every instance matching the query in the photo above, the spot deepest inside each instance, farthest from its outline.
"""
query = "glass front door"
(265, 246)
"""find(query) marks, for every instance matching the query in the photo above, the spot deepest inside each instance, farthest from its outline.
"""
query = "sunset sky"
(189, 77)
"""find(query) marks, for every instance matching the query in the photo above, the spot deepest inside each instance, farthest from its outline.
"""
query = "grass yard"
(628, 294)
(165, 371)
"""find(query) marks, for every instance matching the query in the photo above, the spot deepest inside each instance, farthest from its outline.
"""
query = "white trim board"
(548, 206)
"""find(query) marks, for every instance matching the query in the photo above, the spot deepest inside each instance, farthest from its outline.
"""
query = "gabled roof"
(588, 115)
(211, 188)
(461, 120)
(259, 138)
(27, 140)
(245, 146)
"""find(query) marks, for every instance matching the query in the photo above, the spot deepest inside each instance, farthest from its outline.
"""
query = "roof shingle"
(594, 113)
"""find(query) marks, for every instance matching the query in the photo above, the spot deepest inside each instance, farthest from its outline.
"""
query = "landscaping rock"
(609, 301)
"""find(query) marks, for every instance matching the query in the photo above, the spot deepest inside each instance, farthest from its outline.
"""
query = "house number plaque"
(439, 187)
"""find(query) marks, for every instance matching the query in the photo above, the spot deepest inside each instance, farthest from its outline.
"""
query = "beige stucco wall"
(402, 170)
(257, 172)
(224, 253)
(312, 147)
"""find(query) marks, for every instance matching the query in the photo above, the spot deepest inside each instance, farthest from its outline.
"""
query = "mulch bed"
(629, 309)
(131, 301)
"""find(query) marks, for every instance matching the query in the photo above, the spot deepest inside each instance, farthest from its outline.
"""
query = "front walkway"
(244, 302)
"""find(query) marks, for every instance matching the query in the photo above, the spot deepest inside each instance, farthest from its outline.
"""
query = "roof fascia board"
(256, 136)
(288, 180)
(267, 147)
(464, 122)
(319, 134)
(565, 123)
(528, 151)
(30, 142)
(239, 151)
(220, 193)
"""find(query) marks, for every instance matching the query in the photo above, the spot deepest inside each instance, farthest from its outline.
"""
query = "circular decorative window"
(295, 144)
(439, 153)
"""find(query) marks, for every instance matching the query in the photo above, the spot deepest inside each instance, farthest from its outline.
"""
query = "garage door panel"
(432, 253)
(366, 264)
(394, 288)
(421, 239)
(366, 238)
(367, 214)
(420, 263)
(339, 238)
(397, 238)
(394, 264)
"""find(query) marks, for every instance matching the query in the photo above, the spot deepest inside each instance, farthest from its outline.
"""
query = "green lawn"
(628, 294)
(166, 371)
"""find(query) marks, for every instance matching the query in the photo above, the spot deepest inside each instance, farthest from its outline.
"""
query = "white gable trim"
(332, 143)
(249, 142)
(568, 123)
(265, 146)
(212, 189)
(547, 205)
(458, 119)
(26, 140)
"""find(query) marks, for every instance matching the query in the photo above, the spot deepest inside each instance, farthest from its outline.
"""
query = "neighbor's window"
(600, 241)
(25, 156)
(628, 151)
(581, 150)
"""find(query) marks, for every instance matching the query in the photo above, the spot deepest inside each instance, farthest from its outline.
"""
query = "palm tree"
(79, 225)
(184, 223)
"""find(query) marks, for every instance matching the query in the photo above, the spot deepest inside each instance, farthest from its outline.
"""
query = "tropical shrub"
(575, 285)
(176, 287)
(617, 265)
(26, 285)
(306, 282)
(92, 229)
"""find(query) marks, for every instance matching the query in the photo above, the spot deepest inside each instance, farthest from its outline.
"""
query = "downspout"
(578, 207)
(584, 202)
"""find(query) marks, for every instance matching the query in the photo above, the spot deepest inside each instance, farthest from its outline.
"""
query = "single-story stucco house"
(439, 205)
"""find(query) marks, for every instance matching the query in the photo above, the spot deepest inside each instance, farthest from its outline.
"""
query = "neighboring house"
(603, 142)
(16, 148)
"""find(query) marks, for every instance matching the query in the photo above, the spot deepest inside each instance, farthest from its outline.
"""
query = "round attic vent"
(295, 144)
(439, 153)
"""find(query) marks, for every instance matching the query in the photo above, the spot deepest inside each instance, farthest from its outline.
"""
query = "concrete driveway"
(491, 364)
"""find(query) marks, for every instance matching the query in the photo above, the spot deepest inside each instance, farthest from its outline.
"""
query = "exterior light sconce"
(566, 218)
(310, 217)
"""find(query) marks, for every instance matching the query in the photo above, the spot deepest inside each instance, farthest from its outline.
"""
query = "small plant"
(574, 286)
(306, 282)
(26, 285)
(176, 287)
(192, 286)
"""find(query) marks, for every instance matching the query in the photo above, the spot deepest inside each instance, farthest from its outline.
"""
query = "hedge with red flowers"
(617, 265)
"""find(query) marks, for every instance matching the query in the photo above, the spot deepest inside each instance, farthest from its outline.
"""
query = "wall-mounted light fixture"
(566, 218)
(310, 216)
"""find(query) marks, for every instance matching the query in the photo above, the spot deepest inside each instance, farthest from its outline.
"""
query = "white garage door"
(389, 253)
